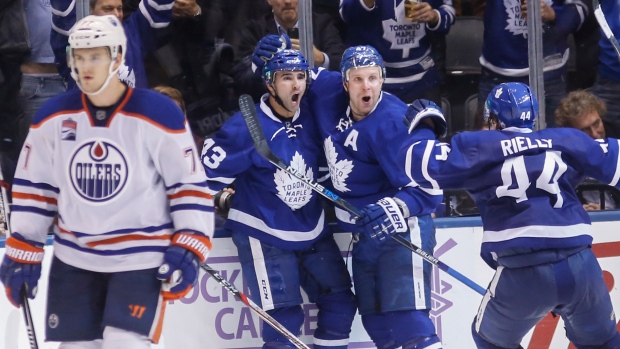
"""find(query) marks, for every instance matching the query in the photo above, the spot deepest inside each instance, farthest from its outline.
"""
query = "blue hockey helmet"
(285, 60)
(359, 57)
(514, 104)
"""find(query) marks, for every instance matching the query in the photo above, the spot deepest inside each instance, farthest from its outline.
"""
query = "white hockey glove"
(422, 109)
(381, 220)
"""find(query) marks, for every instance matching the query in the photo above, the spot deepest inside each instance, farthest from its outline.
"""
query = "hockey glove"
(21, 266)
(381, 220)
(422, 109)
(267, 47)
(181, 263)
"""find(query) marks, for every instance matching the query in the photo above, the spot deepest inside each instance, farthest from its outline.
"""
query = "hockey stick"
(248, 110)
(602, 22)
(6, 212)
(263, 314)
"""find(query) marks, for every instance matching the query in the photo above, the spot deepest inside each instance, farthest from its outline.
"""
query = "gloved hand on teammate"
(21, 267)
(381, 220)
(267, 47)
(421, 111)
(182, 260)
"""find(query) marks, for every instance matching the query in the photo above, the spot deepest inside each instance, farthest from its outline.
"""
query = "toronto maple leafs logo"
(338, 170)
(516, 22)
(294, 192)
(402, 33)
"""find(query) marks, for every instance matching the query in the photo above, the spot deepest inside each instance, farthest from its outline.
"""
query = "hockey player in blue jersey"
(404, 42)
(277, 221)
(360, 126)
(115, 172)
(537, 236)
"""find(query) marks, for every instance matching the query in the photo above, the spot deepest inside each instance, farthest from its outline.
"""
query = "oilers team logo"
(98, 171)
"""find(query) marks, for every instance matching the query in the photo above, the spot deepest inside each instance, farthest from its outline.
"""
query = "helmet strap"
(277, 98)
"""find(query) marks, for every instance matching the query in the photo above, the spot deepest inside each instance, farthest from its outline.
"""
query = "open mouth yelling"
(295, 98)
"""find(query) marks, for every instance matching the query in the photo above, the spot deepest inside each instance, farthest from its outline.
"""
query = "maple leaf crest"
(291, 190)
(338, 170)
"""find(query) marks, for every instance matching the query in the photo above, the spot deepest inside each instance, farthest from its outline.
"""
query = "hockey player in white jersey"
(277, 221)
(361, 128)
(114, 170)
(537, 236)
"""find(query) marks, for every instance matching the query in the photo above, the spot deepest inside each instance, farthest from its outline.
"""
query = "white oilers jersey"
(115, 193)
(362, 155)
(523, 183)
(269, 204)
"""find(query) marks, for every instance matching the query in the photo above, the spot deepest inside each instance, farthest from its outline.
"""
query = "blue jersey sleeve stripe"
(131, 250)
(35, 210)
(43, 186)
(191, 207)
(151, 229)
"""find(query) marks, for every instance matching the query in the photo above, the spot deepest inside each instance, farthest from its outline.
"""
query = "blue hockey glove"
(422, 109)
(181, 262)
(21, 266)
(267, 47)
(381, 220)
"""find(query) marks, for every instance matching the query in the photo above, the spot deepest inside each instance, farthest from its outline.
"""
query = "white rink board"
(210, 317)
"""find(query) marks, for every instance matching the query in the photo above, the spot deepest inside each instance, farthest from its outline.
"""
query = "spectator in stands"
(505, 48)
(40, 79)
(401, 32)
(328, 46)
(582, 110)
(607, 84)
(141, 26)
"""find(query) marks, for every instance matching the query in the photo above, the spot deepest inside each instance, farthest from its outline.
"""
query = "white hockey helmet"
(98, 31)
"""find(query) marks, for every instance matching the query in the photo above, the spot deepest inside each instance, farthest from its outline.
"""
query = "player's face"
(364, 87)
(591, 124)
(290, 87)
(285, 11)
(108, 7)
(93, 66)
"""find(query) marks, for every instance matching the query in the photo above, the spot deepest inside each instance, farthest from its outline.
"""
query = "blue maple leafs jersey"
(269, 204)
(404, 45)
(521, 181)
(362, 155)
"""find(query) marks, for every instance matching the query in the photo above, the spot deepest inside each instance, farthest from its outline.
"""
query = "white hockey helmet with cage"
(98, 31)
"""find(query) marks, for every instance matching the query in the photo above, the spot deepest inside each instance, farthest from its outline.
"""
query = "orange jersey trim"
(194, 193)
(41, 198)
